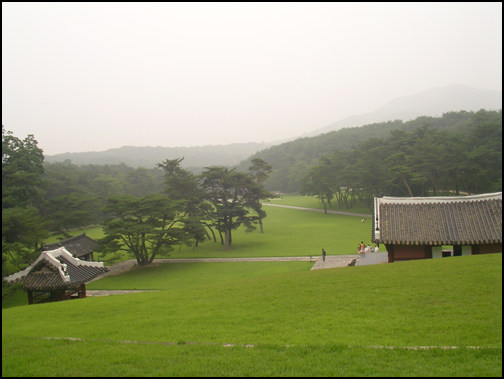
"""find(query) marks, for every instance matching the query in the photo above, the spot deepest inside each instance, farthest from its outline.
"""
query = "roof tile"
(462, 220)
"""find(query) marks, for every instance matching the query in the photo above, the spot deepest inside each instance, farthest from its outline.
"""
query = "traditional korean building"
(80, 246)
(56, 275)
(435, 227)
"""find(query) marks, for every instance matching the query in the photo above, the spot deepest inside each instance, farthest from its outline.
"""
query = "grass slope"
(313, 202)
(299, 323)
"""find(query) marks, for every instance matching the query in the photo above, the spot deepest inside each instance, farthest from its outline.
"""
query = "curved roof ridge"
(440, 199)
(457, 220)
(51, 257)
(69, 257)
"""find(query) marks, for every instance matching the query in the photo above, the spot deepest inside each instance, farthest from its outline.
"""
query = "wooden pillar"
(390, 253)
(82, 290)
(428, 251)
(30, 297)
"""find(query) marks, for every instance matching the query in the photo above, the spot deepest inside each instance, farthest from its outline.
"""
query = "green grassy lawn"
(287, 232)
(280, 318)
(182, 276)
(271, 318)
(312, 202)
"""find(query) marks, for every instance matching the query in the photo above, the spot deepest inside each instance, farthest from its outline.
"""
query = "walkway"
(333, 261)
(373, 258)
(112, 292)
(319, 210)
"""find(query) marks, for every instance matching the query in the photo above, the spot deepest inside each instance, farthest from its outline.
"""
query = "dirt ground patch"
(112, 292)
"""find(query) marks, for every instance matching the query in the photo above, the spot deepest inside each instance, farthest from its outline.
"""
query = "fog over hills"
(432, 102)
(149, 157)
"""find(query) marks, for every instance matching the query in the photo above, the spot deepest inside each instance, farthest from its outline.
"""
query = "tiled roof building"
(56, 275)
(80, 246)
(419, 227)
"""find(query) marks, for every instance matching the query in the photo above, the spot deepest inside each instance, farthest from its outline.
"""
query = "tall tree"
(232, 194)
(22, 234)
(22, 196)
(401, 146)
(260, 170)
(183, 186)
(318, 183)
(144, 226)
(22, 170)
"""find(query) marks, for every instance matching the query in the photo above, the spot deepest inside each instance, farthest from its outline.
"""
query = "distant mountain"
(432, 102)
(149, 157)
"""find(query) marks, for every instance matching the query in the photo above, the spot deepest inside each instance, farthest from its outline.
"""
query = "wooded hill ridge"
(292, 160)
(149, 157)
(431, 102)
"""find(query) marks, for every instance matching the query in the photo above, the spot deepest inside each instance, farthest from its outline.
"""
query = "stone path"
(373, 258)
(112, 292)
(365, 215)
(334, 261)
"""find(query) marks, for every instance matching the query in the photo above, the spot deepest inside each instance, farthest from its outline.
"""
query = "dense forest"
(458, 153)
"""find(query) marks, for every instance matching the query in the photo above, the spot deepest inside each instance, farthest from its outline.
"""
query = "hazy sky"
(93, 76)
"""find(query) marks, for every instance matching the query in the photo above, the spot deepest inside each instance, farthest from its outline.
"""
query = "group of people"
(362, 248)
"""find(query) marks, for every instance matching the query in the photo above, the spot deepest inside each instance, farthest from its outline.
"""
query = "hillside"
(290, 160)
(432, 102)
(134, 156)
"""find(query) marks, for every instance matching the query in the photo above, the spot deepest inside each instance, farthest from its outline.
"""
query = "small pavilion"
(56, 275)
(80, 246)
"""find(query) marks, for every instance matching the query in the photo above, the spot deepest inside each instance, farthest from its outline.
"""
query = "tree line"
(292, 161)
(424, 161)
(145, 211)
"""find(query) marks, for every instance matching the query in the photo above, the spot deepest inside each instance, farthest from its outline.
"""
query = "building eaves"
(466, 220)
(56, 269)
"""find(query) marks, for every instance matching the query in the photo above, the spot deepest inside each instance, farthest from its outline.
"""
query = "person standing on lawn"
(362, 246)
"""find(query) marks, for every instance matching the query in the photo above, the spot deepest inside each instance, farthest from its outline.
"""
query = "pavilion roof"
(450, 220)
(78, 246)
(56, 269)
